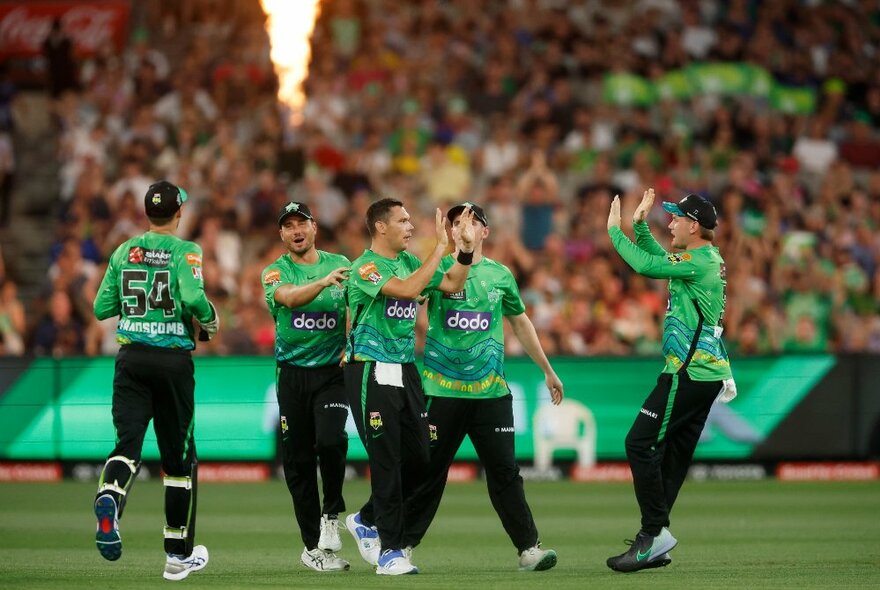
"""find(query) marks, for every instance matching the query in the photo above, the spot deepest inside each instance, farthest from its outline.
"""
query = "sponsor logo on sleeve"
(457, 296)
(197, 272)
(136, 255)
(193, 259)
(369, 272)
(676, 258)
(273, 277)
(400, 309)
(469, 321)
(313, 320)
(149, 257)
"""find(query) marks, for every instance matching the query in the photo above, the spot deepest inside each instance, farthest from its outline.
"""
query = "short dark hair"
(157, 221)
(379, 211)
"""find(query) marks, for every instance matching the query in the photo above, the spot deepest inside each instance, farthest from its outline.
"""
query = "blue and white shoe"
(367, 538)
(394, 562)
(177, 568)
(107, 535)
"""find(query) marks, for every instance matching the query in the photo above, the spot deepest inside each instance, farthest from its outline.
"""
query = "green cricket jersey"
(154, 284)
(464, 350)
(312, 335)
(382, 328)
(696, 301)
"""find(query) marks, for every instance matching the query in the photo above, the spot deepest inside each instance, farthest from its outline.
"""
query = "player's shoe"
(535, 559)
(645, 552)
(323, 561)
(177, 568)
(367, 538)
(107, 536)
(408, 552)
(329, 540)
(394, 562)
(661, 561)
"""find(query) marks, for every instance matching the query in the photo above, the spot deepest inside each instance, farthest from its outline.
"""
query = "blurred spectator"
(62, 69)
(7, 173)
(12, 320)
(59, 332)
(506, 104)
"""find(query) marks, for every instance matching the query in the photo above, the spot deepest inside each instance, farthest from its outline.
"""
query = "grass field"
(731, 535)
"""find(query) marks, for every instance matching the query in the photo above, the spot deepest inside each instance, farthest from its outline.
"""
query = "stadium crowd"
(504, 104)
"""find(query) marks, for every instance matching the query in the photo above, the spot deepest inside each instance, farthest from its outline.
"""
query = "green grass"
(731, 535)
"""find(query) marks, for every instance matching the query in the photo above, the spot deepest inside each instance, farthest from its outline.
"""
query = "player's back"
(158, 280)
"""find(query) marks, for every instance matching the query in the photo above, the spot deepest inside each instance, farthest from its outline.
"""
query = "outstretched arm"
(290, 295)
(413, 285)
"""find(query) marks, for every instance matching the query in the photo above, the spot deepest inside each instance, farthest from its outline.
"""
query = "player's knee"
(637, 447)
(330, 444)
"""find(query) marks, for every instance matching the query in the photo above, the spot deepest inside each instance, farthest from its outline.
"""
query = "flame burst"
(290, 24)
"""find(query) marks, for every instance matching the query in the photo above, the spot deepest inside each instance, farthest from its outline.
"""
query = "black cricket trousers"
(489, 424)
(313, 410)
(393, 424)
(660, 445)
(157, 383)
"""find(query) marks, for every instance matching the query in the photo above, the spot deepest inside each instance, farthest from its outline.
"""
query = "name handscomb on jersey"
(175, 328)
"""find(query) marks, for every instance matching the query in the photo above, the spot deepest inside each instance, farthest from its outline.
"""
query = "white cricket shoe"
(367, 538)
(535, 559)
(394, 562)
(323, 561)
(177, 568)
(329, 540)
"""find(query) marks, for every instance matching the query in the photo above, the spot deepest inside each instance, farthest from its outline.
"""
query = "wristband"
(465, 258)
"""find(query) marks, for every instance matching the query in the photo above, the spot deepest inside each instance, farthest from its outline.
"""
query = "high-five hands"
(440, 229)
(644, 207)
(614, 214)
(466, 235)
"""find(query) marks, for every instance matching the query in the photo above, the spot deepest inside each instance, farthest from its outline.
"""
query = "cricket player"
(661, 442)
(382, 381)
(154, 284)
(306, 297)
(463, 377)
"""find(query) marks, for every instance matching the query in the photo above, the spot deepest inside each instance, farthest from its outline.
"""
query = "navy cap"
(479, 214)
(695, 207)
(294, 208)
(163, 199)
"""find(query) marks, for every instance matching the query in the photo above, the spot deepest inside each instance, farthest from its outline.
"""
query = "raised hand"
(614, 214)
(336, 277)
(466, 235)
(644, 207)
(440, 229)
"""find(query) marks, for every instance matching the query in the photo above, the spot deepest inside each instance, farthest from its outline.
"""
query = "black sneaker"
(645, 552)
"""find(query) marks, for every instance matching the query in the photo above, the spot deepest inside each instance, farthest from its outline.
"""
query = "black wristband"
(465, 258)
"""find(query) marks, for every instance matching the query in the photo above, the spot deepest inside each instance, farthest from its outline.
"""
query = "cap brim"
(300, 213)
(673, 208)
(456, 211)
